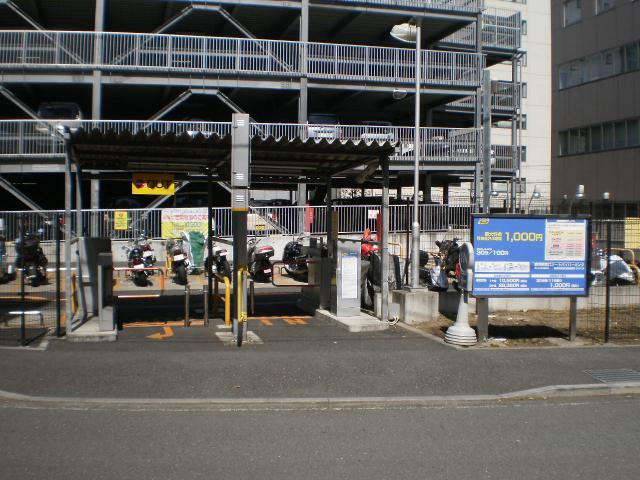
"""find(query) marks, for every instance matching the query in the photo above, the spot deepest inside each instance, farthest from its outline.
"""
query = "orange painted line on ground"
(266, 322)
(294, 321)
(167, 332)
(194, 323)
(282, 317)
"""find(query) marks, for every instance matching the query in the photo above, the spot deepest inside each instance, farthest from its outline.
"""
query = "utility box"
(90, 248)
(345, 286)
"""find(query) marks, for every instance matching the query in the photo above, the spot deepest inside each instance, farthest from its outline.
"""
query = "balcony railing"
(505, 97)
(42, 139)
(501, 30)
(508, 157)
(436, 5)
(181, 54)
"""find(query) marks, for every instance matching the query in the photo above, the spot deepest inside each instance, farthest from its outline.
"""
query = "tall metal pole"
(209, 240)
(415, 227)
(478, 120)
(486, 138)
(514, 133)
(384, 237)
(68, 198)
(302, 101)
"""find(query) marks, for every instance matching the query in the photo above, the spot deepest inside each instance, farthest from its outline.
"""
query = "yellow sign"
(120, 220)
(153, 184)
(632, 232)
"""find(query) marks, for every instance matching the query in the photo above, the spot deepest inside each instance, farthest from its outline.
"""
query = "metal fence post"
(607, 307)
(58, 226)
(187, 291)
(23, 337)
(205, 294)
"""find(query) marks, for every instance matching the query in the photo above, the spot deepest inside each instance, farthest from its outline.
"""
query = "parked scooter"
(620, 271)
(148, 256)
(180, 251)
(34, 264)
(295, 259)
(259, 263)
(135, 260)
(220, 263)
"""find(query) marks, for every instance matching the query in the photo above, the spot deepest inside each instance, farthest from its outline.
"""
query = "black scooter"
(295, 259)
(259, 263)
(34, 264)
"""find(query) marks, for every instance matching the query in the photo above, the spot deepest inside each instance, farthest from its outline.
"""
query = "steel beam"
(9, 95)
(22, 14)
(9, 187)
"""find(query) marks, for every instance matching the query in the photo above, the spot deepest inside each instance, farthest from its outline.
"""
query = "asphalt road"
(577, 439)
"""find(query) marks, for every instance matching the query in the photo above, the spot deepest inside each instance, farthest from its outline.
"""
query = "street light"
(411, 33)
(536, 194)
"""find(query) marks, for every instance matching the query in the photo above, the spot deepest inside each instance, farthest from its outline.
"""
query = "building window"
(572, 12)
(631, 56)
(596, 138)
(607, 136)
(599, 138)
(633, 133)
(564, 143)
(600, 65)
(604, 5)
(621, 134)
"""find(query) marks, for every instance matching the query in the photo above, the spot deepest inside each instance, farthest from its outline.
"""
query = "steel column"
(415, 227)
(384, 238)
(477, 192)
(240, 183)
(68, 198)
(486, 143)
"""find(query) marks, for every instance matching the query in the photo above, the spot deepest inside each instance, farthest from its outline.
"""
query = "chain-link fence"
(613, 310)
(30, 283)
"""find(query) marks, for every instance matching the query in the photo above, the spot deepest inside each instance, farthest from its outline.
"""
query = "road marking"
(266, 322)
(229, 339)
(168, 332)
(294, 321)
(177, 323)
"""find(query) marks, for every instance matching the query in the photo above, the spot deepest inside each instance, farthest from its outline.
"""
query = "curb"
(542, 393)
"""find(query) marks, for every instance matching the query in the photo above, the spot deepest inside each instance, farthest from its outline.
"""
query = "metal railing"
(183, 54)
(505, 97)
(501, 30)
(436, 5)
(41, 139)
(352, 219)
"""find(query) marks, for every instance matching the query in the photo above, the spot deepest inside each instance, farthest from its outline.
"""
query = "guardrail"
(501, 30)
(351, 219)
(436, 5)
(505, 97)
(147, 53)
(41, 139)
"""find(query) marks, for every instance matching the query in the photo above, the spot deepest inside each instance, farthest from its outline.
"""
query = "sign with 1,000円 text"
(530, 256)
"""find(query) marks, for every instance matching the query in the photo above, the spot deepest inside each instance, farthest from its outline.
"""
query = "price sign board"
(523, 256)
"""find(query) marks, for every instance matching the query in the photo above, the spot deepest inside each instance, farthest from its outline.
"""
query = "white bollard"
(460, 333)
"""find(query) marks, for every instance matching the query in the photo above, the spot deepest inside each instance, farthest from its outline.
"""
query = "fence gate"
(613, 313)
(29, 297)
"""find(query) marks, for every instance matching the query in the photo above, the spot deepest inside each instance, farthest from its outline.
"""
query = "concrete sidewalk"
(298, 358)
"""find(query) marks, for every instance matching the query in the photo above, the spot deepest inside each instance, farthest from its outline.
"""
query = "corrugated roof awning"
(191, 153)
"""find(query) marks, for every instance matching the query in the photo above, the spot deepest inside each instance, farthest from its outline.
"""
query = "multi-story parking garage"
(281, 62)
